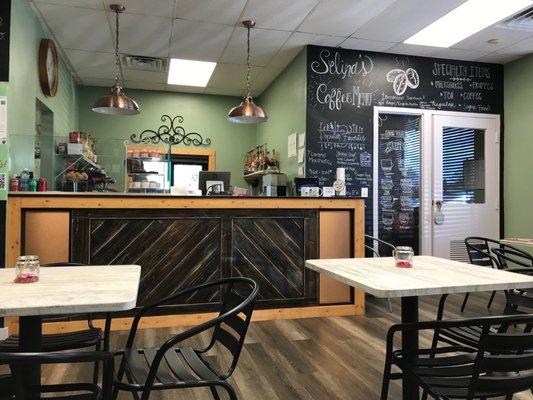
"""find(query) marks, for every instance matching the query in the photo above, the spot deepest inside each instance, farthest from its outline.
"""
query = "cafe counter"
(183, 241)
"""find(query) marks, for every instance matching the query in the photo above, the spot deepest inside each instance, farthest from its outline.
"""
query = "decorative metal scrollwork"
(171, 134)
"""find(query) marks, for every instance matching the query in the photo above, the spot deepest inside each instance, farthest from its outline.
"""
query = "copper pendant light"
(247, 112)
(116, 102)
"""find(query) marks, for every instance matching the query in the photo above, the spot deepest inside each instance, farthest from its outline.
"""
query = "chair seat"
(180, 367)
(59, 341)
(448, 376)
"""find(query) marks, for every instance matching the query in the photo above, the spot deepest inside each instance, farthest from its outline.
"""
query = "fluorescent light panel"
(190, 72)
(465, 20)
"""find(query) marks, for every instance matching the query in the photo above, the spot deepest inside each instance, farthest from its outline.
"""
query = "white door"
(466, 182)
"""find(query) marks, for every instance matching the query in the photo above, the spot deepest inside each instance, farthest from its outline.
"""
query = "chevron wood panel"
(178, 249)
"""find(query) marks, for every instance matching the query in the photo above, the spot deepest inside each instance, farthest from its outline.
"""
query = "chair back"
(238, 301)
(508, 256)
(383, 248)
(504, 364)
(479, 251)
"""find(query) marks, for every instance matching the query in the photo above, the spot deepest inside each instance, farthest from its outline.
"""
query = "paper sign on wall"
(291, 145)
(3, 119)
(301, 139)
(301, 155)
(4, 171)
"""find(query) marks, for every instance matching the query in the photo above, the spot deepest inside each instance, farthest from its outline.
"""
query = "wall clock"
(48, 67)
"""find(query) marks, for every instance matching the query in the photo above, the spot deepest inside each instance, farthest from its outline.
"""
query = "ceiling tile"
(97, 4)
(225, 92)
(342, 17)
(296, 43)
(364, 44)
(264, 79)
(134, 84)
(404, 18)
(479, 41)
(218, 11)
(184, 89)
(158, 8)
(264, 45)
(78, 28)
(143, 35)
(278, 14)
(459, 54)
(523, 47)
(144, 76)
(414, 50)
(194, 40)
(98, 82)
(80, 59)
(497, 58)
(228, 76)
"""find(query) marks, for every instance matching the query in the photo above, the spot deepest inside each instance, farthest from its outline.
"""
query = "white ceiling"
(210, 30)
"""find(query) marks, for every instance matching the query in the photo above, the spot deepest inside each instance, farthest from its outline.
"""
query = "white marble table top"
(70, 290)
(429, 275)
(518, 242)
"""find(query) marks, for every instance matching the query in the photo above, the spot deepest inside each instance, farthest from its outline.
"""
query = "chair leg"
(491, 299)
(214, 392)
(231, 392)
(96, 371)
(386, 380)
(465, 300)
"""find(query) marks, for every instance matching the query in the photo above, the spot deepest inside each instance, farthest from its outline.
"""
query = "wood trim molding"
(171, 321)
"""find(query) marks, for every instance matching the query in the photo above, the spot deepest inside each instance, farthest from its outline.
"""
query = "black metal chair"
(514, 260)
(63, 391)
(377, 253)
(499, 364)
(169, 367)
(89, 337)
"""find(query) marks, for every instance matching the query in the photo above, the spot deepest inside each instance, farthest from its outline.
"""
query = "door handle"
(438, 215)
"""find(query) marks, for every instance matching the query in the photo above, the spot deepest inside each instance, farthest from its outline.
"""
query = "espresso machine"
(274, 185)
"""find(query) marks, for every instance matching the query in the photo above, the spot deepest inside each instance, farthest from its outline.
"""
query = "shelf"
(256, 176)
(153, 159)
(80, 159)
(146, 190)
(145, 173)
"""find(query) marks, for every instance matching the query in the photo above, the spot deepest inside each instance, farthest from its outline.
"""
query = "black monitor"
(208, 181)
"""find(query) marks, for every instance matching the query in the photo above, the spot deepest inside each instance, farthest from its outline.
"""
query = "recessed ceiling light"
(493, 41)
(465, 20)
(190, 72)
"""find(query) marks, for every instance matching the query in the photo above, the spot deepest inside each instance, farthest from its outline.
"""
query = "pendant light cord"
(116, 46)
(248, 93)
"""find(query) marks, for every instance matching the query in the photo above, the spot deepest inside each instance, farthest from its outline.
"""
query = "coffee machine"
(274, 185)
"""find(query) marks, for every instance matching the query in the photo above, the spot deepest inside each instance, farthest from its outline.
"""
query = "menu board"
(399, 179)
(5, 18)
(344, 86)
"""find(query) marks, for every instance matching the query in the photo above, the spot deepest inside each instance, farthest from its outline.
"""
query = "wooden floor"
(315, 358)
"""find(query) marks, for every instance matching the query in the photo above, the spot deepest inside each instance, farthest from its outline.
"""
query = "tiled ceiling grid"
(210, 30)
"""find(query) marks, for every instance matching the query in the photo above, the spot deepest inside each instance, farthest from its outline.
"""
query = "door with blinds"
(466, 182)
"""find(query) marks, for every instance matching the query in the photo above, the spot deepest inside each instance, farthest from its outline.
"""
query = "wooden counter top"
(67, 200)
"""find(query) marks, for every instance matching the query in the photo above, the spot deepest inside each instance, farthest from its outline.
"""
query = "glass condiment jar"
(403, 256)
(27, 269)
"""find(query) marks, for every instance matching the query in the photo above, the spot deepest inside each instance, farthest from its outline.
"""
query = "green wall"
(518, 148)
(285, 102)
(23, 89)
(205, 114)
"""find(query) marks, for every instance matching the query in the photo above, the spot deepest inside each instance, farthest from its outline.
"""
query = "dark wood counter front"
(182, 241)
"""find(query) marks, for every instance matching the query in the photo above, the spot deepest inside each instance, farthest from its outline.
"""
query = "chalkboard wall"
(343, 86)
(5, 17)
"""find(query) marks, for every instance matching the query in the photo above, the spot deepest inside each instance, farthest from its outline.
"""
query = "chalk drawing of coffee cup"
(405, 201)
(406, 218)
(365, 159)
(386, 164)
(386, 201)
(406, 185)
(387, 218)
(387, 184)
